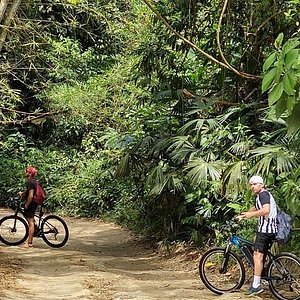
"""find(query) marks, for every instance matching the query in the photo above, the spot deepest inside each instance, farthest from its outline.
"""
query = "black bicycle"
(222, 270)
(51, 228)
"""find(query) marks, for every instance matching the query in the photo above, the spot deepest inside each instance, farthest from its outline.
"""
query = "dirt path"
(100, 261)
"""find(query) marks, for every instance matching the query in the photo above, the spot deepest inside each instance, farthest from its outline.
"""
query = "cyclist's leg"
(29, 213)
(261, 246)
(263, 243)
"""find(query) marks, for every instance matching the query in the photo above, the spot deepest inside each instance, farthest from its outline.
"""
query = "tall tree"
(7, 14)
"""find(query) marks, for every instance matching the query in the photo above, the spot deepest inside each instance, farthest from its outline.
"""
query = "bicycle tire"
(13, 230)
(285, 267)
(55, 232)
(209, 271)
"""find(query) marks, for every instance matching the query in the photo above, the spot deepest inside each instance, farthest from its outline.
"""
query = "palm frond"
(199, 126)
(158, 147)
(184, 154)
(200, 171)
(155, 180)
(272, 157)
(144, 144)
(181, 148)
(123, 167)
(128, 163)
(160, 180)
(192, 126)
(234, 180)
(179, 142)
(240, 148)
(224, 117)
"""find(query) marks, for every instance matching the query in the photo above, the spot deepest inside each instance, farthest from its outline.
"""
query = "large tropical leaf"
(199, 126)
(277, 158)
(161, 179)
(200, 171)
(156, 147)
(129, 162)
(234, 179)
(291, 191)
(180, 148)
(241, 147)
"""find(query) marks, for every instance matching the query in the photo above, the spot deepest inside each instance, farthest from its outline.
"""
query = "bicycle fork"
(223, 268)
(14, 228)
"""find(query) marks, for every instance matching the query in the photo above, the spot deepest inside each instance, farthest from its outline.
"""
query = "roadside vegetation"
(152, 114)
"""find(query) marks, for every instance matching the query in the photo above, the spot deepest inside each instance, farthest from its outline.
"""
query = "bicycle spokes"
(284, 275)
(50, 230)
(55, 232)
(13, 230)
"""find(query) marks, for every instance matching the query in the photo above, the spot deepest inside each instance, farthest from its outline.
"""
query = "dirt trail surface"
(100, 261)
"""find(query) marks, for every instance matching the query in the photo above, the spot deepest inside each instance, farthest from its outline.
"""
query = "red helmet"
(32, 171)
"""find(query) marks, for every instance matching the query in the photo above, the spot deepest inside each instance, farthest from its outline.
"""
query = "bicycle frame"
(39, 216)
(245, 247)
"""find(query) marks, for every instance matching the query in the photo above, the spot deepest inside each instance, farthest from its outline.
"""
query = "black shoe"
(254, 291)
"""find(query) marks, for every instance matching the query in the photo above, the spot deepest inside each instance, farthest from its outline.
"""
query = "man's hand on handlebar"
(20, 194)
(243, 215)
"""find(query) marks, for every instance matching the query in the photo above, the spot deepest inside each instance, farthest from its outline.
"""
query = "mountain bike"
(222, 270)
(14, 228)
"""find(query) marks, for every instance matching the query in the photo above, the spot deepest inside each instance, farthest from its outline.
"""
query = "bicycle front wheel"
(13, 230)
(55, 232)
(284, 273)
(216, 276)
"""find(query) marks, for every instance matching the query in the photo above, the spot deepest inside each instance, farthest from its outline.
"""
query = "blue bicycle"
(222, 270)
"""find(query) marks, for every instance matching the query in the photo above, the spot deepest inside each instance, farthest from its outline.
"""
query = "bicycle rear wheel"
(219, 281)
(13, 230)
(55, 232)
(284, 271)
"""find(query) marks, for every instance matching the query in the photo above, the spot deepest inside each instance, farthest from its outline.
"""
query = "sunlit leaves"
(275, 93)
(282, 80)
(268, 79)
(279, 40)
(269, 61)
(74, 2)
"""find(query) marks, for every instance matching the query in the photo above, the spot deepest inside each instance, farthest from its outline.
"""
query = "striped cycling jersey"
(268, 223)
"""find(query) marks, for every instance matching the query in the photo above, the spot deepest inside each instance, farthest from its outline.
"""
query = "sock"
(256, 281)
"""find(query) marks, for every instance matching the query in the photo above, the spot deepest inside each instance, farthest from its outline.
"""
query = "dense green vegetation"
(153, 114)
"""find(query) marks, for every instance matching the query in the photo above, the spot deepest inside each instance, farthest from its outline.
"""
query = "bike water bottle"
(234, 240)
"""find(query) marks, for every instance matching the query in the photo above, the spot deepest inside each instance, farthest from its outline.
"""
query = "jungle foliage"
(153, 113)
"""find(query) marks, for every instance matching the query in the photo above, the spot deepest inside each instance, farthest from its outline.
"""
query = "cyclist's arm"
(257, 213)
(29, 199)
(253, 208)
(253, 212)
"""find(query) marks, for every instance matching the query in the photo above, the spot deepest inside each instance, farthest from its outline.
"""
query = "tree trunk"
(4, 27)
(3, 6)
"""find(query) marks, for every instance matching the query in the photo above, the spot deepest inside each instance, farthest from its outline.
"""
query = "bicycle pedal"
(264, 282)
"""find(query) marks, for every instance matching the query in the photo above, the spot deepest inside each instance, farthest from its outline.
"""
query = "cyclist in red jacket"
(30, 206)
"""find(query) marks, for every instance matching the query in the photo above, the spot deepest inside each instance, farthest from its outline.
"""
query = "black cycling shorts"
(263, 241)
(29, 212)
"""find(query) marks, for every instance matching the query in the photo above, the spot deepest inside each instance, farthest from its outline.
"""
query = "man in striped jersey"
(265, 209)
